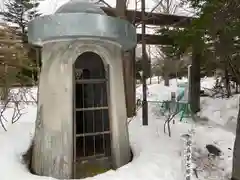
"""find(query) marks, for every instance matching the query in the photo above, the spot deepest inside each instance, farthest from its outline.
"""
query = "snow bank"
(221, 111)
(157, 156)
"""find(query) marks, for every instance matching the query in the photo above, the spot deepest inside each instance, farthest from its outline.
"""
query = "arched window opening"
(92, 127)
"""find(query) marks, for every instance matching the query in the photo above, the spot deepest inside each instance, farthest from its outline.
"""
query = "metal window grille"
(92, 124)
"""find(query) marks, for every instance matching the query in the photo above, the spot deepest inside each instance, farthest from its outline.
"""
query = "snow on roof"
(78, 6)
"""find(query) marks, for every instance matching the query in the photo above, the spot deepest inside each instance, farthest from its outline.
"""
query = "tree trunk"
(158, 79)
(166, 79)
(236, 150)
(227, 82)
(166, 71)
(4, 94)
(236, 87)
(195, 82)
(4, 91)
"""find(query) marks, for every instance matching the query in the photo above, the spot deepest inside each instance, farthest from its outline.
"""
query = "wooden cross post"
(128, 67)
(144, 68)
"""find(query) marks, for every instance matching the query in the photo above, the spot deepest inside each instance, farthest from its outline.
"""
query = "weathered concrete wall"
(53, 149)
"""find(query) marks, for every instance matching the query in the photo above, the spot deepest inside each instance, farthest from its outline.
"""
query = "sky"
(50, 6)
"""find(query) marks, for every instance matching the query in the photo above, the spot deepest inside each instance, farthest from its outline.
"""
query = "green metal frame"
(182, 107)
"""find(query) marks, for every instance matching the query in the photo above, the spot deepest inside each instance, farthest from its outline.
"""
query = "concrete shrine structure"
(81, 126)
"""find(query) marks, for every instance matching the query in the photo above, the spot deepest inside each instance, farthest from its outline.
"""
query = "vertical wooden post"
(134, 81)
(128, 67)
(121, 8)
(144, 67)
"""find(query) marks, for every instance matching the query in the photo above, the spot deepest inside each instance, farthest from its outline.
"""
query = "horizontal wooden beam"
(157, 19)
(10, 41)
(152, 39)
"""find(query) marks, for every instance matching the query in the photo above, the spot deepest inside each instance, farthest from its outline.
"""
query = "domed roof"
(80, 6)
(81, 20)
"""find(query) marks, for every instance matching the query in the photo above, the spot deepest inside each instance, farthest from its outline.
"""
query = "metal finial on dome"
(80, 6)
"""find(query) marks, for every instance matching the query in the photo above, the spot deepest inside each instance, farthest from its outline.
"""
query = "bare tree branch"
(104, 2)
(14, 58)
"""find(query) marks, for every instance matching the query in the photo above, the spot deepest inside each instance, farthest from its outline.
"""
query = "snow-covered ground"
(156, 155)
